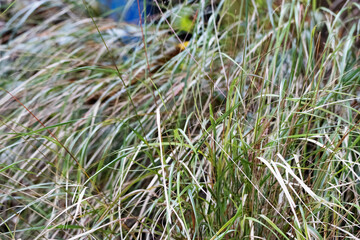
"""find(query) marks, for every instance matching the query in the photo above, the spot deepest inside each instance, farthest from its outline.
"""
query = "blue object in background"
(127, 10)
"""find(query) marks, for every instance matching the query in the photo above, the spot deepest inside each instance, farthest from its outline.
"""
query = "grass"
(109, 131)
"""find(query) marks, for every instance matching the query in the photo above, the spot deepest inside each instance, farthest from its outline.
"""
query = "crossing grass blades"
(249, 131)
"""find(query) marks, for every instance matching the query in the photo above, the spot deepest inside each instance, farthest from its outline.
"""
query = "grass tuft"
(246, 126)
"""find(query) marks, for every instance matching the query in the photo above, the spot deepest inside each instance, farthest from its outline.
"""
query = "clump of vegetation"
(114, 131)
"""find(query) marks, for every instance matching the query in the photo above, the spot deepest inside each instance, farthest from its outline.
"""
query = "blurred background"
(127, 10)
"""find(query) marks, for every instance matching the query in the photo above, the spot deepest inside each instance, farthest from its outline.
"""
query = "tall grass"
(110, 131)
